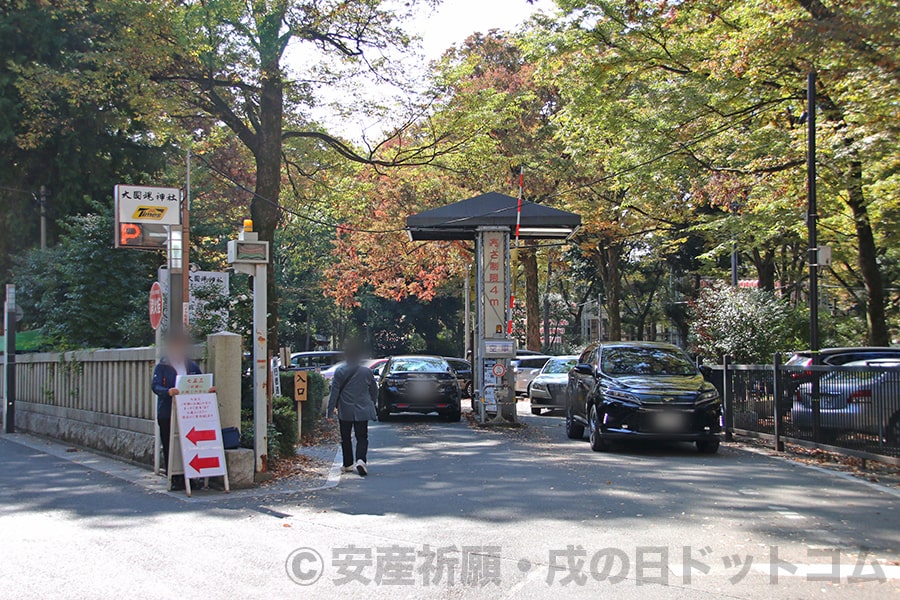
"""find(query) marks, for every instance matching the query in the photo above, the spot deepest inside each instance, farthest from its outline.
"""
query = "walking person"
(353, 394)
(175, 362)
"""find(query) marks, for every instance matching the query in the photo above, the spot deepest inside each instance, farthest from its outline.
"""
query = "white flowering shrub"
(748, 325)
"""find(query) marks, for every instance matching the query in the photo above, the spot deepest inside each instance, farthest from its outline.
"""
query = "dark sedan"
(422, 384)
(641, 390)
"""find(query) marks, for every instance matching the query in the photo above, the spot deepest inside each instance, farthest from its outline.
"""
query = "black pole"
(812, 213)
(10, 358)
(811, 222)
(734, 265)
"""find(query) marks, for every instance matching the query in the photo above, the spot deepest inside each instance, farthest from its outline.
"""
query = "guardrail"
(850, 410)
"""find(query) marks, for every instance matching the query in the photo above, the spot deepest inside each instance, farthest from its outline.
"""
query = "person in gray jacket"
(354, 394)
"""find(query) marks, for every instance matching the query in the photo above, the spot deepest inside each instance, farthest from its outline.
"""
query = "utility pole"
(811, 222)
(186, 247)
(10, 362)
(734, 251)
(43, 206)
(812, 213)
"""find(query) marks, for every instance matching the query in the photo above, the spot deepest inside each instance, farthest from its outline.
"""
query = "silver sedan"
(862, 398)
(548, 389)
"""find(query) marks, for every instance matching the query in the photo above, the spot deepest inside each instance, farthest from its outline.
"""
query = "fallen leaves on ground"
(870, 470)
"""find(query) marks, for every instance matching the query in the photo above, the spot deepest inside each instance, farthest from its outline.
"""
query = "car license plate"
(669, 421)
(421, 388)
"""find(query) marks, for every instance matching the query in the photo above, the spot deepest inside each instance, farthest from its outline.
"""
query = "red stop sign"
(156, 305)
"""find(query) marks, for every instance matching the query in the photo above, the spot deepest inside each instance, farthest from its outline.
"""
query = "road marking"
(815, 571)
(536, 572)
(334, 473)
(826, 571)
(786, 512)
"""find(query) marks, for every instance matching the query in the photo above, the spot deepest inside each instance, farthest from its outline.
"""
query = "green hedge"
(282, 431)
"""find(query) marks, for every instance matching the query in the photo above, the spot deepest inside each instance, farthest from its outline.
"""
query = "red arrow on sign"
(204, 435)
(210, 462)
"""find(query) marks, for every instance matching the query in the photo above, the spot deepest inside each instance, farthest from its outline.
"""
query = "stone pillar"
(224, 362)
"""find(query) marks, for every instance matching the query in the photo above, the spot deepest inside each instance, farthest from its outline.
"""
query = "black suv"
(641, 390)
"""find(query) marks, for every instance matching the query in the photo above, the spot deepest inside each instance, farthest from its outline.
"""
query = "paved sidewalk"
(156, 484)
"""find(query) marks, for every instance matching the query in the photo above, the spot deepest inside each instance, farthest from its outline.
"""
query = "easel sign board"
(200, 436)
(194, 384)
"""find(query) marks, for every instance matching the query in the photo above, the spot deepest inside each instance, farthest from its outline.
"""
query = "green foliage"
(84, 293)
(284, 418)
(281, 432)
(747, 325)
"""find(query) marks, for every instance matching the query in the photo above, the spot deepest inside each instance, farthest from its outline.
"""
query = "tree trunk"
(532, 301)
(867, 259)
(267, 154)
(765, 269)
(547, 301)
(610, 257)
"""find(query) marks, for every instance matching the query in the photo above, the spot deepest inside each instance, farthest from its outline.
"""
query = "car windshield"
(645, 361)
(559, 365)
(419, 365)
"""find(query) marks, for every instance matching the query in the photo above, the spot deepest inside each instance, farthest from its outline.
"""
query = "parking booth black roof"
(460, 220)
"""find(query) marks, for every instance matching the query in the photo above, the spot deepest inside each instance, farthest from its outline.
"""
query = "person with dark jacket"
(173, 364)
(353, 394)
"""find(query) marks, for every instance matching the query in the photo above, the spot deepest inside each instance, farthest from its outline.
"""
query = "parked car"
(464, 374)
(314, 361)
(376, 364)
(525, 369)
(864, 399)
(548, 389)
(797, 375)
(422, 384)
(641, 390)
(521, 353)
(842, 356)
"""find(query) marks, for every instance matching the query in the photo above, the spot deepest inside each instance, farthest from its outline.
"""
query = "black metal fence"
(854, 410)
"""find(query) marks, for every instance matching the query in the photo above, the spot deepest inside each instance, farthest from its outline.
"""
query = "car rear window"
(419, 365)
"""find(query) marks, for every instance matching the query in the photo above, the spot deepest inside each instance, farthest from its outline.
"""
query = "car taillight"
(860, 397)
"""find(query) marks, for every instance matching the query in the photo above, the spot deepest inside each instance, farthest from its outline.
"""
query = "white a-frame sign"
(195, 448)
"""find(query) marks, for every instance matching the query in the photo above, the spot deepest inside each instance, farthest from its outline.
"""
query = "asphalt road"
(506, 514)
